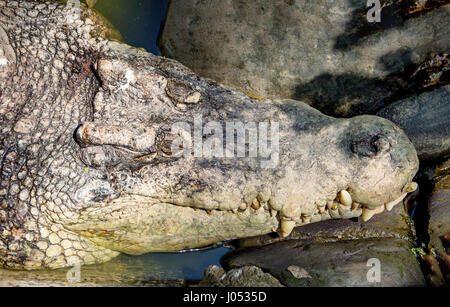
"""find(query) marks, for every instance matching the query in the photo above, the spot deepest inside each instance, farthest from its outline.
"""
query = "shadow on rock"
(394, 13)
(349, 94)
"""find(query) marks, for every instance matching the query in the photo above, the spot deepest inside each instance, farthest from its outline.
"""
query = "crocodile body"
(88, 162)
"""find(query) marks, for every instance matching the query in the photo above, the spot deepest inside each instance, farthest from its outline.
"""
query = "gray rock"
(323, 52)
(439, 208)
(341, 263)
(241, 277)
(426, 120)
(336, 253)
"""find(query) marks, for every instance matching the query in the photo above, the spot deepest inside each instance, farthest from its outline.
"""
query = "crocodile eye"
(369, 145)
(100, 156)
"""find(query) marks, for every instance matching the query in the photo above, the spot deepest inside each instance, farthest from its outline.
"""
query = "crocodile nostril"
(368, 145)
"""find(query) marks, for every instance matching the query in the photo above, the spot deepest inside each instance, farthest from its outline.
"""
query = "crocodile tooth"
(331, 205)
(287, 227)
(273, 213)
(412, 187)
(255, 204)
(321, 210)
(345, 198)
(235, 211)
(243, 206)
(390, 205)
(355, 206)
(334, 212)
(367, 214)
(274, 229)
(306, 218)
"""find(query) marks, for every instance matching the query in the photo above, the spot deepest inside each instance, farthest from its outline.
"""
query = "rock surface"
(336, 253)
(426, 120)
(341, 263)
(323, 52)
(439, 227)
(249, 276)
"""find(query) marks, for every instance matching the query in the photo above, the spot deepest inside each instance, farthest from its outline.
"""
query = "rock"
(336, 253)
(340, 263)
(426, 121)
(323, 52)
(439, 208)
(439, 225)
(242, 277)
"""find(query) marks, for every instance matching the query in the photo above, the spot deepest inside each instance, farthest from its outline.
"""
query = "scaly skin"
(88, 169)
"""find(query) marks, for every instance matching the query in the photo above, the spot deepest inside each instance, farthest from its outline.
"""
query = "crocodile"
(108, 149)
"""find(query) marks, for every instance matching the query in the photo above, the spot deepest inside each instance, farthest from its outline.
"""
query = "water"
(140, 23)
(148, 270)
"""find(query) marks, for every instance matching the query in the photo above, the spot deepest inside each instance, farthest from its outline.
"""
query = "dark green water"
(140, 23)
(148, 270)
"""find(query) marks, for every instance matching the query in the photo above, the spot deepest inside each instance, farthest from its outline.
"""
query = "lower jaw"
(142, 227)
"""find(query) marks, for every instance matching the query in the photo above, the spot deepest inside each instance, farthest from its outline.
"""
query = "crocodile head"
(109, 149)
